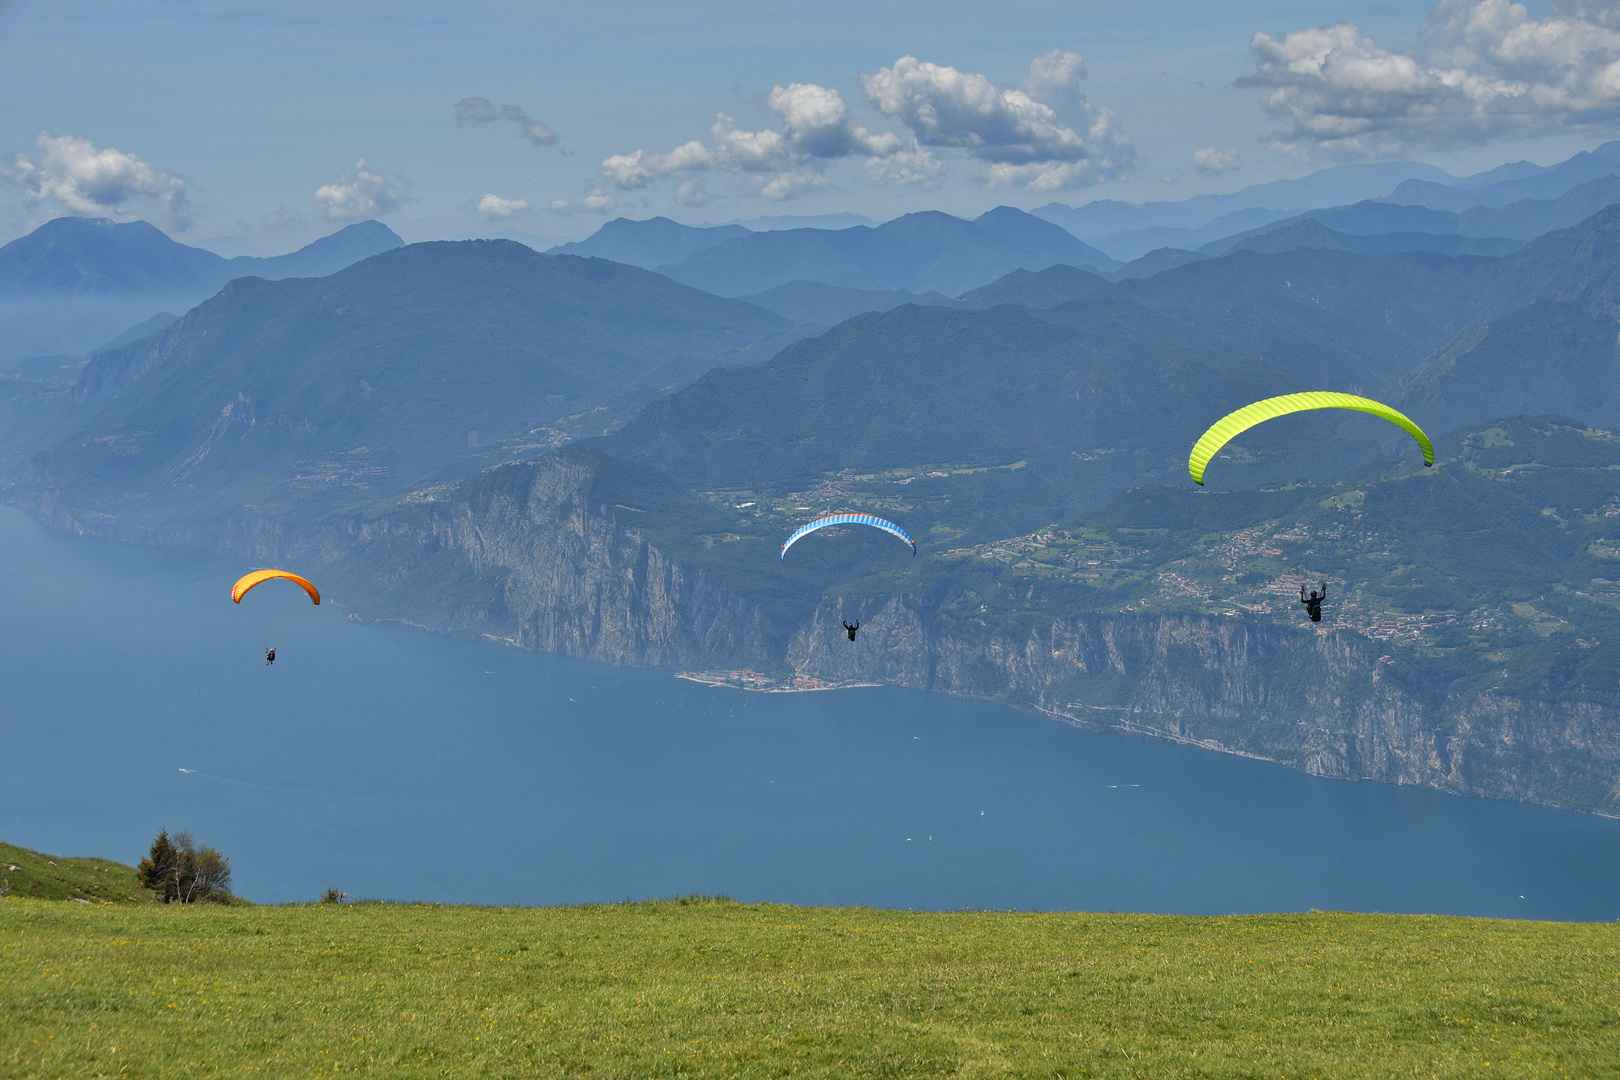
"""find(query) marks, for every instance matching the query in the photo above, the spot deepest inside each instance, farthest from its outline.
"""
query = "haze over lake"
(392, 763)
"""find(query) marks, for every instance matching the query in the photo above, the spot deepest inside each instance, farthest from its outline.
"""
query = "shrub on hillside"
(182, 873)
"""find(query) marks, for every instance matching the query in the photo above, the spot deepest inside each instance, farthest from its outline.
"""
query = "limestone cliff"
(534, 556)
(529, 559)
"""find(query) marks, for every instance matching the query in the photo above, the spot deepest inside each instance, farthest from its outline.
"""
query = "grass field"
(47, 877)
(711, 988)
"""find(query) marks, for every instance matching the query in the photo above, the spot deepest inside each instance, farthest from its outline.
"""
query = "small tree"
(158, 870)
(182, 873)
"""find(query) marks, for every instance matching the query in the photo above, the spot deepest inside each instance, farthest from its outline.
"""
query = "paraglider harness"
(269, 657)
(1313, 603)
(851, 629)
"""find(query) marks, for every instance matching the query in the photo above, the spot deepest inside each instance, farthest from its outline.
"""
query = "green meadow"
(713, 988)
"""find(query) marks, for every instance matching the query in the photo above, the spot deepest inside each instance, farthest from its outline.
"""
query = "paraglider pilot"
(1313, 603)
(851, 629)
(269, 657)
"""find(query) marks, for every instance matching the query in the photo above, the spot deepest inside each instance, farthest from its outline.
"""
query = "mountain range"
(307, 393)
(591, 457)
(1129, 231)
(923, 252)
(1513, 183)
(75, 283)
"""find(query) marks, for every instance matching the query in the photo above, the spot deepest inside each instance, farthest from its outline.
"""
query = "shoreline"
(760, 683)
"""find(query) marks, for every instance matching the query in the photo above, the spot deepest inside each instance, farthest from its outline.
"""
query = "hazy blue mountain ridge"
(1332, 186)
(649, 244)
(1129, 231)
(72, 256)
(1522, 220)
(1311, 233)
(922, 252)
(307, 393)
(74, 283)
(321, 257)
(79, 256)
(1037, 288)
(1155, 262)
(828, 305)
(1547, 183)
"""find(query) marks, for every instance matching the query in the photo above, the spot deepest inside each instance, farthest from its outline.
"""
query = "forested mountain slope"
(1103, 393)
(288, 396)
(75, 283)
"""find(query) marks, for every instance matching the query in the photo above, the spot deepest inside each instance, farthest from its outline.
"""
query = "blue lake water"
(392, 763)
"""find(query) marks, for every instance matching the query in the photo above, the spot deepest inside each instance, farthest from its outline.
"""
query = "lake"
(396, 764)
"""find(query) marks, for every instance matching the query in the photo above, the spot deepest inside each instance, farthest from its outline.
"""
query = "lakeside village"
(760, 682)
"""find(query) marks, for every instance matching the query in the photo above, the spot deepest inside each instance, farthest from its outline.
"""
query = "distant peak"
(81, 226)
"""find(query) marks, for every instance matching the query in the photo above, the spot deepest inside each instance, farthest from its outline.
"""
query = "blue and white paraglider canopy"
(850, 519)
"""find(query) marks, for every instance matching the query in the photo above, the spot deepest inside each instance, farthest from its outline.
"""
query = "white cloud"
(1213, 160)
(360, 193)
(777, 163)
(596, 201)
(816, 121)
(912, 166)
(1482, 68)
(496, 207)
(639, 168)
(477, 110)
(1044, 134)
(690, 192)
(84, 180)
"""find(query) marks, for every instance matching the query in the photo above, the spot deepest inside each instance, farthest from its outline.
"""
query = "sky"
(278, 123)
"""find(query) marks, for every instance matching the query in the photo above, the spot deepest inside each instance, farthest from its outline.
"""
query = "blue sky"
(248, 119)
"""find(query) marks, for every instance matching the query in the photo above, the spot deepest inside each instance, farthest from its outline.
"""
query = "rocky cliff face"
(532, 558)
(529, 559)
(1319, 701)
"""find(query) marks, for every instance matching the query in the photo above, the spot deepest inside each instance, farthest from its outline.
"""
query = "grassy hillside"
(44, 877)
(718, 989)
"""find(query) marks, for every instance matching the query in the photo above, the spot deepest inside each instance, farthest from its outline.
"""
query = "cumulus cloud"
(1043, 134)
(778, 163)
(360, 193)
(86, 180)
(815, 121)
(911, 166)
(1213, 160)
(493, 206)
(595, 201)
(1481, 68)
(477, 110)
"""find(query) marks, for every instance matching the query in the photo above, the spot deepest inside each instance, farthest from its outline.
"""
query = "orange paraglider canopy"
(240, 589)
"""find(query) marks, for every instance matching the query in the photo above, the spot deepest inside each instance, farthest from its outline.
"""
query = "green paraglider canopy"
(1233, 424)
